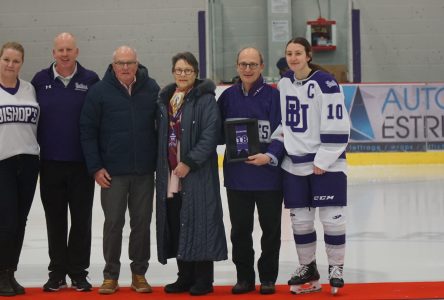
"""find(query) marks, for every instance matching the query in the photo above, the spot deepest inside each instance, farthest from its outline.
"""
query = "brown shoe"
(140, 285)
(109, 286)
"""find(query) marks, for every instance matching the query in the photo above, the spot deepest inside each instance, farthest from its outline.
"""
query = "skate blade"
(310, 287)
(334, 290)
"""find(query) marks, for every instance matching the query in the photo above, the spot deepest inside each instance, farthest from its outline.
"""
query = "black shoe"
(53, 285)
(267, 288)
(80, 284)
(180, 286)
(242, 287)
(6, 288)
(18, 288)
(200, 289)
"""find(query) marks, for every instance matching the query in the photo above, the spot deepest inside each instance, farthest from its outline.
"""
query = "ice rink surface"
(395, 232)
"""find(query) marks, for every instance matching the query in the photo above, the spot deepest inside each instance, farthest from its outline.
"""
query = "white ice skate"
(335, 278)
(305, 279)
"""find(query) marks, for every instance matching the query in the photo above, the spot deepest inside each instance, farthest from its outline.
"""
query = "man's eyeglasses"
(186, 71)
(243, 66)
(121, 64)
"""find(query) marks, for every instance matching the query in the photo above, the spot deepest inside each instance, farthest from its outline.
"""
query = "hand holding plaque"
(242, 139)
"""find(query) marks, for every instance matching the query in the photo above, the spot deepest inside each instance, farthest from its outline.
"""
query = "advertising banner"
(395, 117)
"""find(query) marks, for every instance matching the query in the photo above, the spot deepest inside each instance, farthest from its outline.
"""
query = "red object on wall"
(321, 33)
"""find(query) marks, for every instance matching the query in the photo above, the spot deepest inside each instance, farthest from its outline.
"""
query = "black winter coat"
(202, 234)
(117, 130)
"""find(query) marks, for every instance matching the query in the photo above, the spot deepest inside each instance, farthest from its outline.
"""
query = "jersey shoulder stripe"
(326, 82)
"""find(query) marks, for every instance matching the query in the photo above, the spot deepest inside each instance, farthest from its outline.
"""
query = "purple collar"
(255, 88)
(13, 90)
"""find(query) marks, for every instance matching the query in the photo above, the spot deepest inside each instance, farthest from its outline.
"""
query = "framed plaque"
(241, 138)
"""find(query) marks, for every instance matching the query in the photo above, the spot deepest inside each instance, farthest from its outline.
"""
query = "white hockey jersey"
(315, 125)
(19, 116)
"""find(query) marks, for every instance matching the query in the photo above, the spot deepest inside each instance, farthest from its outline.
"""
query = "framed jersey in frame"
(241, 138)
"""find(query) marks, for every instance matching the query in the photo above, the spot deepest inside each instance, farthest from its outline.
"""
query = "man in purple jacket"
(64, 179)
(250, 185)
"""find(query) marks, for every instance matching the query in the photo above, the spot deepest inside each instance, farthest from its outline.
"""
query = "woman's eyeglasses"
(186, 71)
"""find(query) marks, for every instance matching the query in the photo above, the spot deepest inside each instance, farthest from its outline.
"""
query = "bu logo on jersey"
(296, 114)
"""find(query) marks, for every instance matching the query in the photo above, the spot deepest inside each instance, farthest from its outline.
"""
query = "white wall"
(238, 24)
(157, 29)
(402, 40)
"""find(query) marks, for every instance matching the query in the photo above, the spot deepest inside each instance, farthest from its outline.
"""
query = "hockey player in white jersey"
(314, 133)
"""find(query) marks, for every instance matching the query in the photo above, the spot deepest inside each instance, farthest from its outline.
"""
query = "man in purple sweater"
(251, 184)
(64, 179)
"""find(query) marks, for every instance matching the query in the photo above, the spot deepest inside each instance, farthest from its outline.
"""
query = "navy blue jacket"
(117, 130)
(202, 233)
(261, 103)
(58, 130)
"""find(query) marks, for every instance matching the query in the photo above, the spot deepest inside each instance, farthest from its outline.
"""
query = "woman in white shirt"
(19, 162)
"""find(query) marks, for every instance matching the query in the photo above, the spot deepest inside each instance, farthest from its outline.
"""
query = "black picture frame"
(241, 139)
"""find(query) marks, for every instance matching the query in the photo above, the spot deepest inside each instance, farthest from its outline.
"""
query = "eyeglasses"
(186, 71)
(121, 64)
(243, 66)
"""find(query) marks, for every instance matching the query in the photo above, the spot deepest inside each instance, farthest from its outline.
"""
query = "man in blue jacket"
(119, 140)
(64, 181)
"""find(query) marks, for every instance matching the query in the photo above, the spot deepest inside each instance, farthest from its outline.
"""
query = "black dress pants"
(189, 271)
(18, 180)
(66, 185)
(241, 205)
